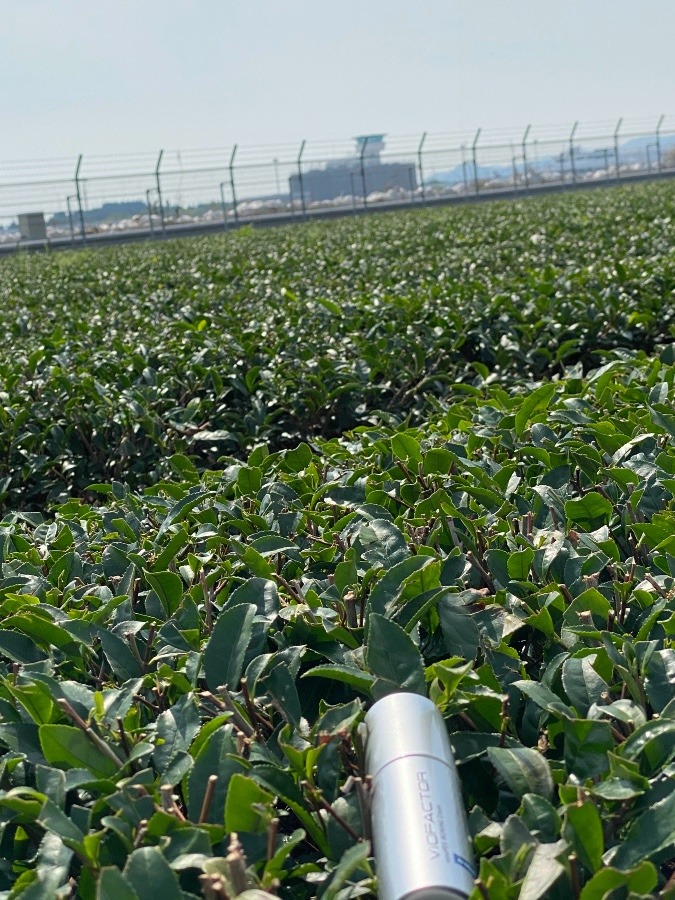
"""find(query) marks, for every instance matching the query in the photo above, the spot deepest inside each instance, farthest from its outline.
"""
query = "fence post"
(562, 167)
(159, 193)
(616, 148)
(147, 200)
(300, 181)
(223, 204)
(524, 146)
(649, 158)
(234, 194)
(70, 221)
(419, 163)
(474, 151)
(363, 169)
(411, 179)
(572, 166)
(78, 194)
(465, 178)
(658, 143)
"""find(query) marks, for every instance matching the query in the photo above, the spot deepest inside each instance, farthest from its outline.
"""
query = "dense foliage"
(114, 359)
(252, 483)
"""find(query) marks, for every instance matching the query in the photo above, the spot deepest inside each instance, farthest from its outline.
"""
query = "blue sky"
(94, 77)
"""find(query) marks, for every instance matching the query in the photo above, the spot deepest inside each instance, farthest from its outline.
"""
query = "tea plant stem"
(123, 737)
(213, 887)
(364, 807)
(467, 721)
(485, 575)
(350, 608)
(237, 717)
(209, 794)
(505, 722)
(208, 610)
(236, 865)
(169, 802)
(668, 886)
(575, 874)
(272, 831)
(148, 646)
(253, 712)
(318, 797)
(146, 703)
(288, 587)
(654, 583)
(482, 887)
(140, 834)
(131, 641)
(565, 591)
(98, 742)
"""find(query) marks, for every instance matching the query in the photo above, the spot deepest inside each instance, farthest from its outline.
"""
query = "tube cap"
(402, 725)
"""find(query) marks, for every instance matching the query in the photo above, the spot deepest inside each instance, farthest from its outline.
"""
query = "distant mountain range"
(585, 160)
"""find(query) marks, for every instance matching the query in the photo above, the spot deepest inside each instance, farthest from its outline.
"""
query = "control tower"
(374, 144)
(348, 178)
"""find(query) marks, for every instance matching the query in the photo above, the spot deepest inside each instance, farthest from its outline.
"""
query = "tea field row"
(253, 483)
(114, 359)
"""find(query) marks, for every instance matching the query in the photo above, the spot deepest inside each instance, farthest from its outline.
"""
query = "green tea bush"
(115, 358)
(206, 580)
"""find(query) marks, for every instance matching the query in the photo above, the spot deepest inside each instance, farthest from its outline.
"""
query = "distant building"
(343, 177)
(32, 226)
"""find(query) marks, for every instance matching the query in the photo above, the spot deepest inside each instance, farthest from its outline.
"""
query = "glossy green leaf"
(590, 512)
(583, 829)
(524, 770)
(150, 875)
(533, 404)
(217, 756)
(651, 836)
(393, 658)
(244, 797)
(113, 885)
(225, 651)
(69, 747)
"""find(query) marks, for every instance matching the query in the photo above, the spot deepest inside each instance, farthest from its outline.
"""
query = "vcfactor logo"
(427, 807)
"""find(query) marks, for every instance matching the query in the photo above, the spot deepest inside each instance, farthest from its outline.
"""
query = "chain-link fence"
(157, 192)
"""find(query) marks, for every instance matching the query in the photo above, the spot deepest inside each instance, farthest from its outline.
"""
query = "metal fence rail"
(158, 191)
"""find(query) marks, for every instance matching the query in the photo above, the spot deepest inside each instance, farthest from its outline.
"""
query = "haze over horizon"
(82, 77)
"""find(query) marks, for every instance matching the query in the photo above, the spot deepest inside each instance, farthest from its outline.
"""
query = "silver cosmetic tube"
(420, 836)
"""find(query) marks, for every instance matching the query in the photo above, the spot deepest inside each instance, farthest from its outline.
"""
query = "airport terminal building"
(346, 177)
